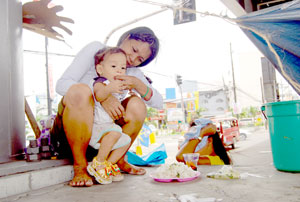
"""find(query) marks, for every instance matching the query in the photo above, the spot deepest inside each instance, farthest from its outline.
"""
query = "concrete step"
(20, 176)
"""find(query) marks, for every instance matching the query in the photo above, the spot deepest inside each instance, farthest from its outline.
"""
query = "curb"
(24, 182)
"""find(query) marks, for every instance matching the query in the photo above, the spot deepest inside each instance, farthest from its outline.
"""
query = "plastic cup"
(191, 160)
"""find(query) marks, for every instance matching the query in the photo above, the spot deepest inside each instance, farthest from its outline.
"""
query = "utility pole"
(262, 90)
(49, 101)
(226, 90)
(233, 81)
(179, 82)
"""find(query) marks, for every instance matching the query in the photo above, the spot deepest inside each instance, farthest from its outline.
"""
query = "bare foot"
(81, 177)
(129, 168)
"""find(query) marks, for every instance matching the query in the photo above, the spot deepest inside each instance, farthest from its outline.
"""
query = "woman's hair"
(143, 34)
(220, 149)
(99, 56)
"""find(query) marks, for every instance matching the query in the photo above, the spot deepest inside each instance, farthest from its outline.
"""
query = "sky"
(197, 50)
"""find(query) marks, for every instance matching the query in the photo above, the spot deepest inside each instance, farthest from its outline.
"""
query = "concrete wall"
(269, 80)
(12, 116)
(214, 102)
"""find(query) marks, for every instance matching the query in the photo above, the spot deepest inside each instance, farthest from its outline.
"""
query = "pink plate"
(176, 179)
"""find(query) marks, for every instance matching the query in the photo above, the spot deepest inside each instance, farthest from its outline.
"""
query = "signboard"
(175, 114)
(181, 16)
(170, 93)
(171, 105)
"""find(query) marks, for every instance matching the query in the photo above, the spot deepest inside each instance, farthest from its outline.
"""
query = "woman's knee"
(136, 110)
(79, 96)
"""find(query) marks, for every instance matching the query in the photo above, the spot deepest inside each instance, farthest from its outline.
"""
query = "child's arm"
(103, 91)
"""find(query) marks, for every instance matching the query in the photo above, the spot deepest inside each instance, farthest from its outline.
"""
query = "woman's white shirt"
(82, 70)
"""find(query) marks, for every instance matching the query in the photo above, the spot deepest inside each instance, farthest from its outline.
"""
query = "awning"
(276, 33)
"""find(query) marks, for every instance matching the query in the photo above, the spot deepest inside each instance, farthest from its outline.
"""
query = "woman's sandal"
(116, 173)
(103, 175)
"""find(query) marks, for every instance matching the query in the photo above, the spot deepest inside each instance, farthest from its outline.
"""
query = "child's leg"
(116, 154)
(99, 168)
(119, 149)
(107, 142)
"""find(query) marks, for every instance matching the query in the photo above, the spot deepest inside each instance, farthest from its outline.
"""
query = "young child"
(107, 136)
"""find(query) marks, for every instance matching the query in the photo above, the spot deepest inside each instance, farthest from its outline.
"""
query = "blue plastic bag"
(155, 157)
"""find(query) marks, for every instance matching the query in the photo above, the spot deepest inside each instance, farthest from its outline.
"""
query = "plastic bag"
(155, 157)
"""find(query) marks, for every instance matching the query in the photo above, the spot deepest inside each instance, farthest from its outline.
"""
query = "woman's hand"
(129, 82)
(116, 86)
(113, 107)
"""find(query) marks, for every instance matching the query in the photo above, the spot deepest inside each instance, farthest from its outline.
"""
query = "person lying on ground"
(204, 139)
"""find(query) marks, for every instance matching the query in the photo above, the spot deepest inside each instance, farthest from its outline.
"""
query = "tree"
(199, 111)
(197, 114)
(253, 111)
(248, 112)
(151, 112)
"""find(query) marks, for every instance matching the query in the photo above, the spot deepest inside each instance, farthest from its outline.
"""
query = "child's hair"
(143, 34)
(99, 56)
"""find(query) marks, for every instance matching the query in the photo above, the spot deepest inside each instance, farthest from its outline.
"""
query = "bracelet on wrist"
(143, 96)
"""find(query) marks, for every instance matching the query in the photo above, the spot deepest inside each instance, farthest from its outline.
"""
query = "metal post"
(262, 90)
(133, 21)
(233, 80)
(182, 105)
(12, 109)
(49, 101)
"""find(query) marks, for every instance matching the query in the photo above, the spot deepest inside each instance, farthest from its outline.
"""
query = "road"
(252, 158)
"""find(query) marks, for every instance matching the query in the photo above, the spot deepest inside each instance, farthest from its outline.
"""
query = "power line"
(49, 53)
(164, 75)
(250, 96)
(159, 74)
(169, 76)
(68, 55)
(209, 84)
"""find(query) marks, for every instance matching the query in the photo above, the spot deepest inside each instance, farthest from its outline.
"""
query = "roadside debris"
(226, 172)
(195, 198)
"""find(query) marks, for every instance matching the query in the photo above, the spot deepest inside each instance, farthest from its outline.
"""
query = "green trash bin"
(284, 128)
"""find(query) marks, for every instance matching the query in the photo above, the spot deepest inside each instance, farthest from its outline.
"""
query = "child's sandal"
(116, 173)
(103, 175)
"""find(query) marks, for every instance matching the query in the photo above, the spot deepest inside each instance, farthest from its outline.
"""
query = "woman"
(204, 139)
(72, 128)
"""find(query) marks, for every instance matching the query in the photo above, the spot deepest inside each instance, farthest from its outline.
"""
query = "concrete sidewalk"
(252, 158)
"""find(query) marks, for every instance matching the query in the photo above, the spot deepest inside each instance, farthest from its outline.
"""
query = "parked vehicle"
(246, 122)
(229, 130)
(244, 134)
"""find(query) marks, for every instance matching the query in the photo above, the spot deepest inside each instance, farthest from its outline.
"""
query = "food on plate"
(174, 170)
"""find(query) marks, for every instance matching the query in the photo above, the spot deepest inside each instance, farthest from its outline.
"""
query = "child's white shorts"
(99, 130)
